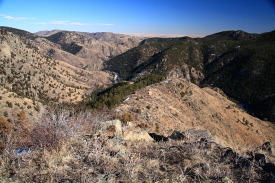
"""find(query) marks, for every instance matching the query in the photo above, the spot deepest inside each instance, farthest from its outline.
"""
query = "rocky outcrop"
(137, 135)
(158, 138)
(197, 135)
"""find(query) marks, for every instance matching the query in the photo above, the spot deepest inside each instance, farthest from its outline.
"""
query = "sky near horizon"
(184, 17)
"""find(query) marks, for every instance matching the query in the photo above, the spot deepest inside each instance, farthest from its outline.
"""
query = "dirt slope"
(176, 104)
(29, 78)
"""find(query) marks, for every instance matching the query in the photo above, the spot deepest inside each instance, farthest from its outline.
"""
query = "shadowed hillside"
(239, 63)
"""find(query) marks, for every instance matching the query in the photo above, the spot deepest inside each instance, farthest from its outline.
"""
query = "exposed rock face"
(158, 138)
(176, 135)
(267, 147)
(260, 159)
(197, 135)
(110, 133)
(137, 135)
(115, 136)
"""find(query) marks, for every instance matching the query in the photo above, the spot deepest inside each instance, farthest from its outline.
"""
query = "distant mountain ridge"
(239, 63)
(101, 36)
(64, 45)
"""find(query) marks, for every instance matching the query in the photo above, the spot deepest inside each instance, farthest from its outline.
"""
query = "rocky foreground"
(64, 148)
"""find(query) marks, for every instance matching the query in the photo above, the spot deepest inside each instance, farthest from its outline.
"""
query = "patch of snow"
(126, 99)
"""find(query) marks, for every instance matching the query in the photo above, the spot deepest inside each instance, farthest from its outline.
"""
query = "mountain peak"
(241, 35)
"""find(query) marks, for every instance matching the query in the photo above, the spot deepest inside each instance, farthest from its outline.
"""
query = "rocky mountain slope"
(44, 142)
(80, 49)
(239, 63)
(90, 49)
(179, 104)
(29, 78)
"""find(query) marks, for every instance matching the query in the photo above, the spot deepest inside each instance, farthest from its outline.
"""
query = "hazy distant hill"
(87, 50)
(239, 63)
(47, 33)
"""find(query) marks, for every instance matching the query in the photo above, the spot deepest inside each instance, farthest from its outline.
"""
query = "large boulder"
(111, 129)
(176, 135)
(267, 147)
(195, 135)
(137, 135)
(260, 159)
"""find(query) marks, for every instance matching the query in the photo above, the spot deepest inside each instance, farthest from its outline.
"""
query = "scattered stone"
(196, 135)
(158, 138)
(260, 159)
(176, 135)
(267, 147)
(243, 163)
(105, 178)
(229, 156)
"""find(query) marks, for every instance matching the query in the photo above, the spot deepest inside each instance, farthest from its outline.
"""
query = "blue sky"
(186, 17)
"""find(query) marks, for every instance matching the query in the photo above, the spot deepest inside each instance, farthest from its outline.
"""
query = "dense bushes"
(115, 94)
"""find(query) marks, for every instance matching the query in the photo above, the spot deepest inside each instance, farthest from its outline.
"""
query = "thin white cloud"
(60, 22)
(69, 23)
(52, 22)
(104, 24)
(40, 23)
(17, 18)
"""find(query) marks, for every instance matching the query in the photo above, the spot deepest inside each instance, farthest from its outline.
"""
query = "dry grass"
(64, 149)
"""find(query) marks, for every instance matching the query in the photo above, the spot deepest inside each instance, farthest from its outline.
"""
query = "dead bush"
(126, 117)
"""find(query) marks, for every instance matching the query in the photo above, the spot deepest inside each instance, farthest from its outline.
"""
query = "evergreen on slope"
(239, 63)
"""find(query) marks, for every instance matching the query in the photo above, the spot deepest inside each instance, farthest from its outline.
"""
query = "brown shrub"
(23, 122)
(5, 126)
(127, 117)
(142, 125)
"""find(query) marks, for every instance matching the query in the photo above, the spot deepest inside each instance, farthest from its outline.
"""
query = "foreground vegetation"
(65, 148)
